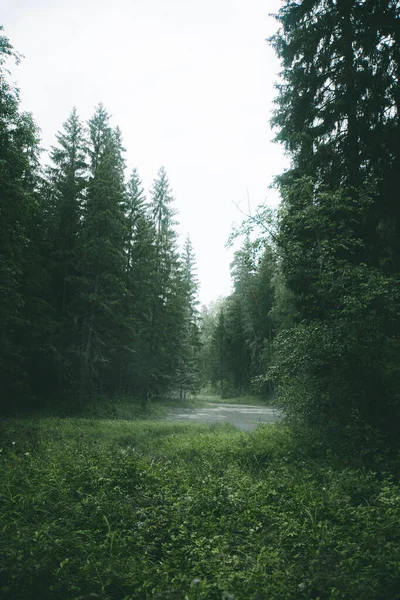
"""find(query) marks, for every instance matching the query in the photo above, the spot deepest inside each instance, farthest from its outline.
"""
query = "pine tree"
(103, 259)
(243, 273)
(338, 116)
(135, 211)
(187, 378)
(140, 290)
(338, 108)
(95, 297)
(220, 371)
(167, 313)
(68, 184)
(21, 305)
(248, 321)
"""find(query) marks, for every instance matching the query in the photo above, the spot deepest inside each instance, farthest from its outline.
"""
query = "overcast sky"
(190, 83)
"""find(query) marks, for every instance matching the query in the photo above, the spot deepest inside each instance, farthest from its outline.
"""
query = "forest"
(101, 496)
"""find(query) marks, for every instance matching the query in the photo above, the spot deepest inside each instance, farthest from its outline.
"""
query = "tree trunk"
(88, 346)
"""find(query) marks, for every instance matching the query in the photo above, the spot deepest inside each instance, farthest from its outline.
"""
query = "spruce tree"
(68, 183)
(338, 108)
(103, 259)
(338, 116)
(167, 313)
(23, 285)
(140, 290)
(187, 377)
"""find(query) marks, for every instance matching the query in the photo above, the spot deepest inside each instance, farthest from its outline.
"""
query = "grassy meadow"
(143, 508)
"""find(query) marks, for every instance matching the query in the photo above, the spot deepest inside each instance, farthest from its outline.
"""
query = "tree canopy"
(97, 298)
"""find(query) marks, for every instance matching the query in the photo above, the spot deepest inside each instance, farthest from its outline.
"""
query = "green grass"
(122, 509)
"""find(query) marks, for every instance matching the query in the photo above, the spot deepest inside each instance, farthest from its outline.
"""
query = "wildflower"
(13, 443)
(302, 586)
(26, 453)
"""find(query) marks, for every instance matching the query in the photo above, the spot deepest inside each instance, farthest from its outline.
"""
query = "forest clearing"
(146, 508)
(200, 409)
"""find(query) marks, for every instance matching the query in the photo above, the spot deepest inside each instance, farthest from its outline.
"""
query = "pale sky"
(190, 84)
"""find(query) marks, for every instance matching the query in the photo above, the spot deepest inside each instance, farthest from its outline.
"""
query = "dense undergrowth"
(119, 509)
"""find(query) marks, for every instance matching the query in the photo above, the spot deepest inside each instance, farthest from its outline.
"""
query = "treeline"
(319, 310)
(237, 332)
(95, 295)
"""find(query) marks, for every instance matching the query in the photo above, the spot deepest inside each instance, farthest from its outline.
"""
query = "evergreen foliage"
(95, 296)
(188, 374)
(67, 187)
(318, 314)
(338, 116)
(25, 317)
(103, 264)
(168, 299)
(237, 338)
(97, 299)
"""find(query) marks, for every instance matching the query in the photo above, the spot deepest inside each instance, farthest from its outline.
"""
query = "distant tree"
(209, 358)
(220, 371)
(187, 378)
(168, 301)
(248, 327)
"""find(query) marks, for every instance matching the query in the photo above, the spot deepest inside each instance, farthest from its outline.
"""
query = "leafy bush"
(337, 369)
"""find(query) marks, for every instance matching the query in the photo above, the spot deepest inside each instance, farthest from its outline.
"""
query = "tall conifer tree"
(103, 242)
(167, 317)
(22, 273)
(187, 377)
(68, 184)
(338, 116)
(140, 289)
